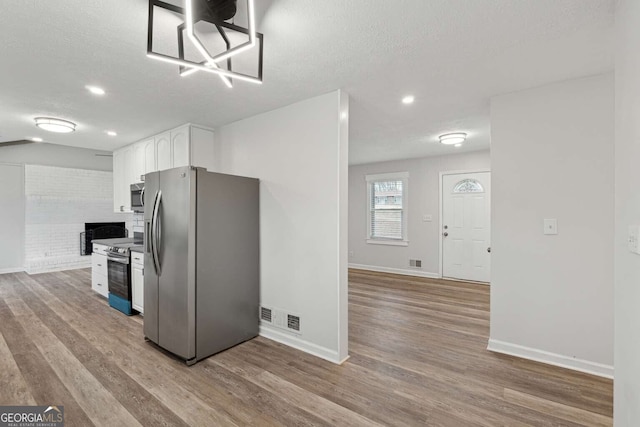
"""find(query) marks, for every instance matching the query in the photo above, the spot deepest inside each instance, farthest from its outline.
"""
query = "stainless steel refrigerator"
(201, 265)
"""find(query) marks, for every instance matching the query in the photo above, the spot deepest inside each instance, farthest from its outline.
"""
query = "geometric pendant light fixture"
(217, 13)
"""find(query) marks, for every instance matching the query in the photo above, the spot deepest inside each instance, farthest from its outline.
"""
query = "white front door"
(466, 232)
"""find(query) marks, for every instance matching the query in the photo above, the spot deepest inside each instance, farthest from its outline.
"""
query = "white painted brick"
(58, 203)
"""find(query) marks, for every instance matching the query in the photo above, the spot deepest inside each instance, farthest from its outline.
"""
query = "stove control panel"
(116, 250)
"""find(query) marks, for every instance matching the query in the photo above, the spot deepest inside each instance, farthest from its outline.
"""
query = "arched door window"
(468, 186)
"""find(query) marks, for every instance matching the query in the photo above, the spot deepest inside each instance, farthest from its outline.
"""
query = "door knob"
(489, 249)
(445, 234)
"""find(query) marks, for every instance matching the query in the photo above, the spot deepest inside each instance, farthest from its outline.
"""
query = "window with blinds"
(387, 204)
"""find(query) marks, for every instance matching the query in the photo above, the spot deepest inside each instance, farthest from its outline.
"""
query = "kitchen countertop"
(138, 248)
(114, 242)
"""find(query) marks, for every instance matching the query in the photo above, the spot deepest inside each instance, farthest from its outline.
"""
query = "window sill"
(388, 242)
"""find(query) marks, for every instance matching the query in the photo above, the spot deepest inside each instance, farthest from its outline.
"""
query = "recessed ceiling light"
(96, 90)
(55, 125)
(36, 139)
(111, 133)
(408, 99)
(453, 138)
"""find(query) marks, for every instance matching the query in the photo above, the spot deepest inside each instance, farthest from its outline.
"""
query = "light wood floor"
(418, 357)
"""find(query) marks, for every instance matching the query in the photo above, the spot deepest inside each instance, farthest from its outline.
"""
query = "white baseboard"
(54, 269)
(300, 344)
(404, 272)
(11, 270)
(549, 358)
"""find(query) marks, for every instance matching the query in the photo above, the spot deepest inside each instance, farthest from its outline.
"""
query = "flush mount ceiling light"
(215, 12)
(111, 133)
(408, 99)
(453, 138)
(55, 125)
(95, 90)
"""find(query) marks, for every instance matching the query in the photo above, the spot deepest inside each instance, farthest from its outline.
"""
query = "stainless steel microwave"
(137, 197)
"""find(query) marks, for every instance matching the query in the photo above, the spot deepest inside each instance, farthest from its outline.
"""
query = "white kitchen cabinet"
(99, 270)
(180, 146)
(201, 148)
(163, 150)
(123, 174)
(119, 194)
(139, 161)
(137, 281)
(187, 145)
(149, 155)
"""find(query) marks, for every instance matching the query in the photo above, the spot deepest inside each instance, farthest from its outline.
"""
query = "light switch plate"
(551, 226)
(634, 239)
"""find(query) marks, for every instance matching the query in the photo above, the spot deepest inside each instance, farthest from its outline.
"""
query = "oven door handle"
(119, 260)
(155, 238)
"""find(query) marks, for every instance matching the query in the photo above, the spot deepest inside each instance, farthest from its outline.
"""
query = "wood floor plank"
(44, 385)
(100, 405)
(191, 402)
(328, 411)
(137, 400)
(559, 410)
(418, 357)
(14, 388)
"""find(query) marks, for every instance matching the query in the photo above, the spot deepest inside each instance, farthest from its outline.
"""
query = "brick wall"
(58, 201)
(138, 222)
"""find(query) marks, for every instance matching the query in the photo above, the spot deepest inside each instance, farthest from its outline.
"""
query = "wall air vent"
(417, 263)
(293, 322)
(281, 319)
(266, 315)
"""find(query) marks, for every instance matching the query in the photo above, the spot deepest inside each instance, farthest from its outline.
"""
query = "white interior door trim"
(442, 174)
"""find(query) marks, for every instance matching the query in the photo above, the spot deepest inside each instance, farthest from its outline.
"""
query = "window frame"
(394, 176)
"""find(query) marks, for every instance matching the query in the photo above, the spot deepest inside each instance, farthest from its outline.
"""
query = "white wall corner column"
(552, 157)
(343, 228)
(300, 155)
(626, 412)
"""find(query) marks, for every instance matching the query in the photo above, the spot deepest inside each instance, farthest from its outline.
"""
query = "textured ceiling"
(453, 55)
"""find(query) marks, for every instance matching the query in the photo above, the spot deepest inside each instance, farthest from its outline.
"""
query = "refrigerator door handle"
(152, 237)
(157, 237)
(147, 237)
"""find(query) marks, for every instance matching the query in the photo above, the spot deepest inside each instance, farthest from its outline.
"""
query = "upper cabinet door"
(164, 151)
(118, 180)
(129, 175)
(149, 155)
(139, 155)
(180, 146)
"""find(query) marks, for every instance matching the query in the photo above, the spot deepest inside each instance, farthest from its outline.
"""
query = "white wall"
(56, 155)
(38, 154)
(11, 217)
(58, 202)
(424, 199)
(627, 265)
(552, 157)
(299, 154)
